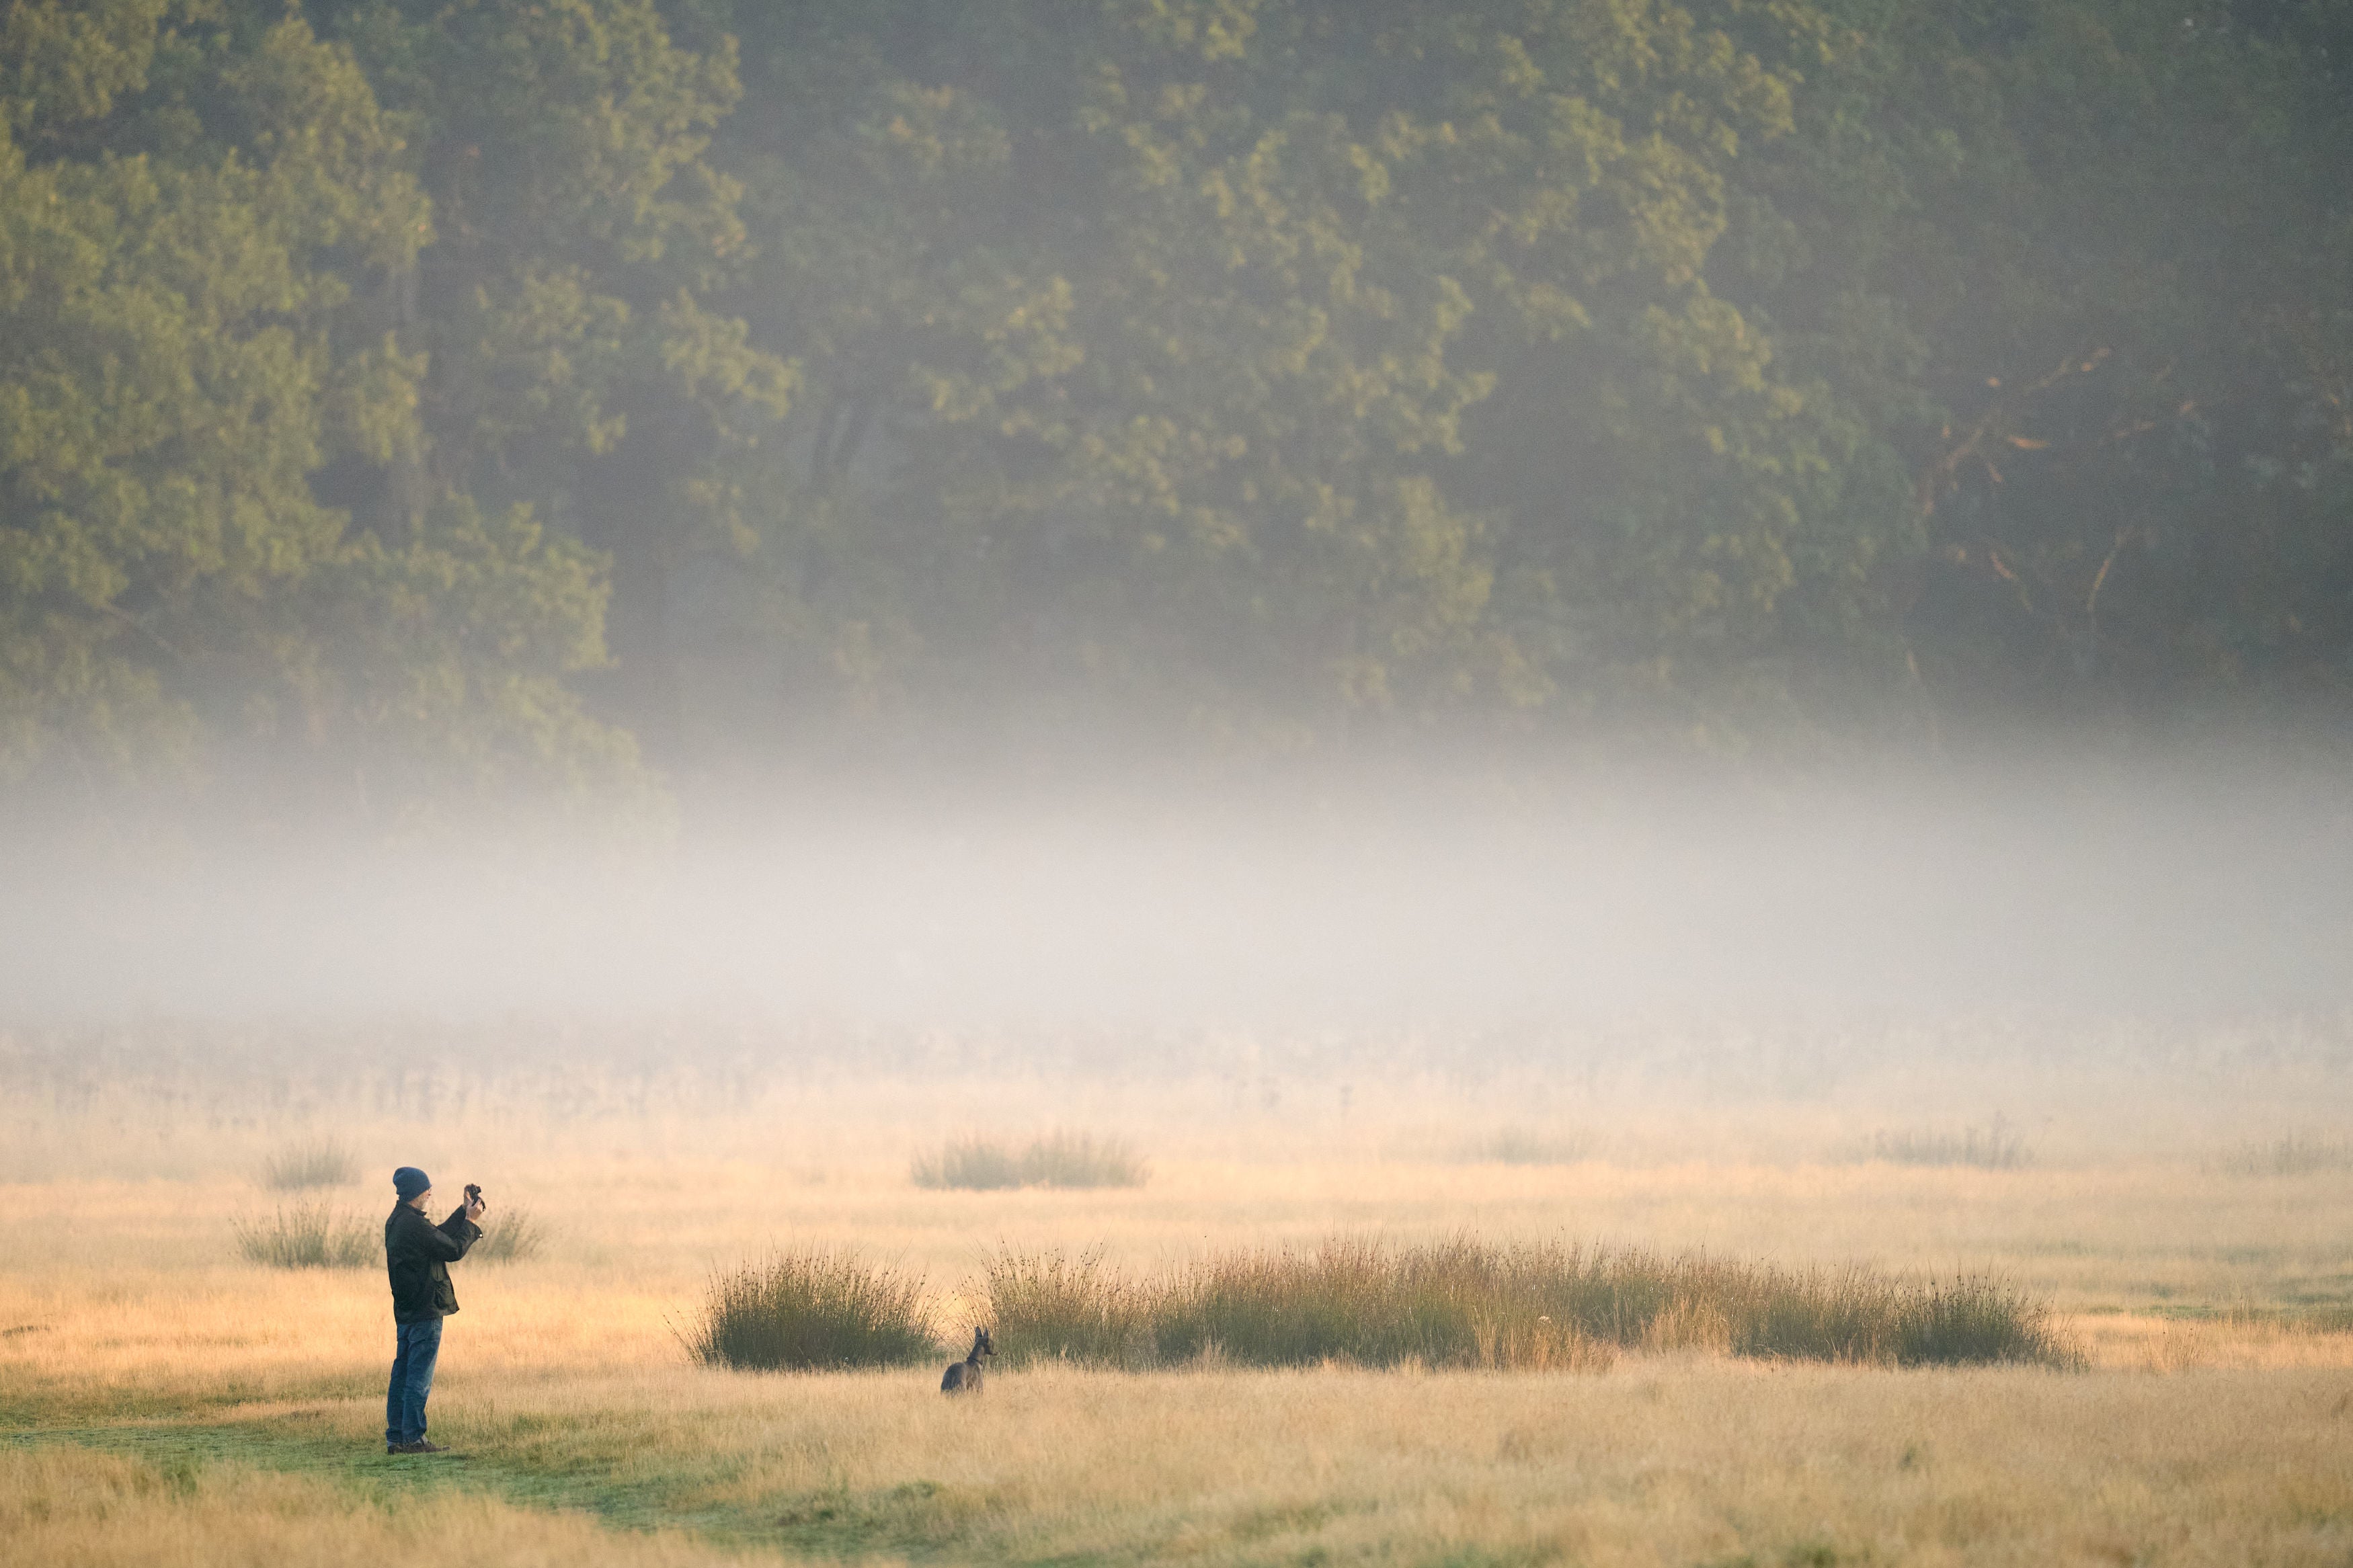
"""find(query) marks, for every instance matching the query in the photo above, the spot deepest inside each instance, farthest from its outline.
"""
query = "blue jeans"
(412, 1381)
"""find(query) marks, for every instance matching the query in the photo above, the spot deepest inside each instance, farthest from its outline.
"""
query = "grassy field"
(164, 1400)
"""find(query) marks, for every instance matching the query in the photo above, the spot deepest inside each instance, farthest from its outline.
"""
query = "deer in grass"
(964, 1376)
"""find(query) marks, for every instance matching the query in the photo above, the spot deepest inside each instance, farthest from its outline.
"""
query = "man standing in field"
(418, 1253)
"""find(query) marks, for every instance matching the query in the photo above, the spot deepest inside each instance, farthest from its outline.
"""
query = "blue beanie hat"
(409, 1181)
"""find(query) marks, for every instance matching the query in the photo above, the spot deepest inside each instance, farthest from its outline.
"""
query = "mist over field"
(1417, 898)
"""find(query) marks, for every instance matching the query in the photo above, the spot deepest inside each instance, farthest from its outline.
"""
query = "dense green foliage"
(405, 400)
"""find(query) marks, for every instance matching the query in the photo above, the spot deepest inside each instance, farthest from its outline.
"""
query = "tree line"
(403, 401)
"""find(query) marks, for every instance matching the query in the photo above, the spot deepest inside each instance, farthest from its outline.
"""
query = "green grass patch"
(1467, 1303)
(812, 1309)
(311, 1235)
(1056, 1160)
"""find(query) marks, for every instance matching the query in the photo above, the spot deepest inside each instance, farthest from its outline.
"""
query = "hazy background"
(1256, 514)
(1392, 902)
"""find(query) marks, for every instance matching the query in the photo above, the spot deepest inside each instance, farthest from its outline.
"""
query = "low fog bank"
(1430, 898)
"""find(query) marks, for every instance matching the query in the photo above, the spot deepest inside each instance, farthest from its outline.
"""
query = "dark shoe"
(418, 1448)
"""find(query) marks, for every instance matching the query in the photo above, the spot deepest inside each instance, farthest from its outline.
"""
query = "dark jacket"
(418, 1253)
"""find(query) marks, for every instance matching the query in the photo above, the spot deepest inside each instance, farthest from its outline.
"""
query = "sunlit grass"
(1685, 1461)
(1060, 1158)
(1466, 1302)
(812, 1308)
(514, 1235)
(320, 1163)
(2294, 1154)
(1050, 1304)
(567, 1388)
(313, 1235)
(61, 1505)
(975, 1165)
(1525, 1146)
(1997, 1146)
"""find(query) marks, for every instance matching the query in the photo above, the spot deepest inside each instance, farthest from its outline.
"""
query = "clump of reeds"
(1467, 1303)
(1056, 1160)
(2294, 1154)
(1999, 1146)
(1973, 1319)
(1052, 1306)
(309, 1236)
(811, 1308)
(977, 1164)
(1455, 1303)
(1525, 1146)
(321, 1162)
(515, 1235)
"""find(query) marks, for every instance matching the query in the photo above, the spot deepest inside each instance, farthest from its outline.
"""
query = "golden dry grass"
(1676, 1461)
(1664, 1461)
(2216, 1426)
(2138, 1232)
(64, 1507)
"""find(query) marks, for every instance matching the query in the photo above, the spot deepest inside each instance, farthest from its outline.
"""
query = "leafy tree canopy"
(410, 401)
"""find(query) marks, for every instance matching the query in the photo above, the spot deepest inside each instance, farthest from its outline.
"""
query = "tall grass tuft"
(1999, 1146)
(1079, 1160)
(1972, 1319)
(1051, 1306)
(321, 1162)
(1057, 1160)
(1525, 1146)
(2292, 1155)
(1466, 1303)
(975, 1165)
(309, 1236)
(812, 1309)
(513, 1235)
